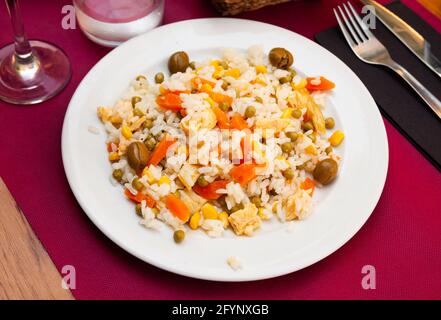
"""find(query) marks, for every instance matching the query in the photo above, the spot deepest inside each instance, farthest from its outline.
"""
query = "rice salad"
(225, 143)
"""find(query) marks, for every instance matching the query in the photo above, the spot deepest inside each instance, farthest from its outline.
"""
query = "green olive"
(224, 106)
(148, 124)
(292, 135)
(256, 201)
(138, 209)
(306, 126)
(178, 62)
(325, 171)
(296, 113)
(135, 100)
(137, 155)
(328, 150)
(288, 173)
(281, 58)
(137, 184)
(159, 77)
(150, 144)
(286, 147)
(284, 80)
(138, 112)
(329, 123)
(140, 77)
(117, 174)
(259, 99)
(179, 236)
(201, 181)
(250, 112)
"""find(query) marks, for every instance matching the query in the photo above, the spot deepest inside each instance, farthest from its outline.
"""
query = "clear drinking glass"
(30, 71)
(111, 22)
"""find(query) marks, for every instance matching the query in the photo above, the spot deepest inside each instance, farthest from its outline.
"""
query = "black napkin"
(396, 99)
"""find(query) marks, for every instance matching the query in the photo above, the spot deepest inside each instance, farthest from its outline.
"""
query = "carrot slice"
(238, 122)
(244, 173)
(177, 207)
(161, 150)
(222, 118)
(324, 84)
(220, 97)
(198, 82)
(210, 191)
(170, 101)
(139, 197)
(308, 184)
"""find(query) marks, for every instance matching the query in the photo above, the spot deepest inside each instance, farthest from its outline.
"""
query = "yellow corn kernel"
(217, 74)
(211, 102)
(234, 72)
(164, 179)
(126, 132)
(214, 63)
(162, 89)
(146, 172)
(287, 113)
(300, 85)
(261, 69)
(336, 138)
(311, 149)
(113, 156)
(206, 88)
(194, 220)
(223, 216)
(209, 211)
(262, 215)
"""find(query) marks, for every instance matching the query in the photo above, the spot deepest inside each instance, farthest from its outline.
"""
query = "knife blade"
(413, 40)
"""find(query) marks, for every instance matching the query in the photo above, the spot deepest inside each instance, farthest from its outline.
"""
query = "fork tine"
(344, 30)
(349, 26)
(360, 22)
(354, 23)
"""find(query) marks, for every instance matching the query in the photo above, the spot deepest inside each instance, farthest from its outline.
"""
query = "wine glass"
(30, 71)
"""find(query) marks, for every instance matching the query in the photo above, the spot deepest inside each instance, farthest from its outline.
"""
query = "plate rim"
(67, 163)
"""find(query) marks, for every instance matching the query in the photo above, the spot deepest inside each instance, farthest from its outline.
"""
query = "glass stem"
(23, 50)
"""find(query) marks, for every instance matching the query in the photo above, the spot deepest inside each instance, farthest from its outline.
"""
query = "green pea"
(312, 137)
(328, 150)
(137, 185)
(159, 77)
(179, 236)
(135, 100)
(306, 126)
(329, 123)
(288, 173)
(225, 85)
(192, 65)
(140, 77)
(292, 135)
(224, 106)
(201, 181)
(237, 207)
(138, 209)
(250, 112)
(296, 113)
(148, 124)
(286, 147)
(150, 144)
(259, 99)
(117, 174)
(256, 201)
(284, 80)
(138, 112)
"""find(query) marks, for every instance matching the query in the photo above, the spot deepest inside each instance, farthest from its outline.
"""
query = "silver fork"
(370, 50)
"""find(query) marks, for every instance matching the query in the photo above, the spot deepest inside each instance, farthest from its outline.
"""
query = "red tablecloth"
(402, 239)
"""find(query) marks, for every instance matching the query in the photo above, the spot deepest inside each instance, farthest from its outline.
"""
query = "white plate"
(340, 209)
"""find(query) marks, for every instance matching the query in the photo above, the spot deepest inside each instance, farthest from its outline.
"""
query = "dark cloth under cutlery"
(397, 101)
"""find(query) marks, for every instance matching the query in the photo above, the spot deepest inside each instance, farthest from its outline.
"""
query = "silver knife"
(407, 35)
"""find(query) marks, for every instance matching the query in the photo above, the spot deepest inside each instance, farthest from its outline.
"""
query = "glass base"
(34, 80)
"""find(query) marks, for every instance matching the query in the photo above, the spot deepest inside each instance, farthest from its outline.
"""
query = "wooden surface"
(26, 271)
(433, 6)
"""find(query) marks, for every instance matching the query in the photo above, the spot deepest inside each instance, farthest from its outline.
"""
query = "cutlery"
(370, 50)
(414, 41)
